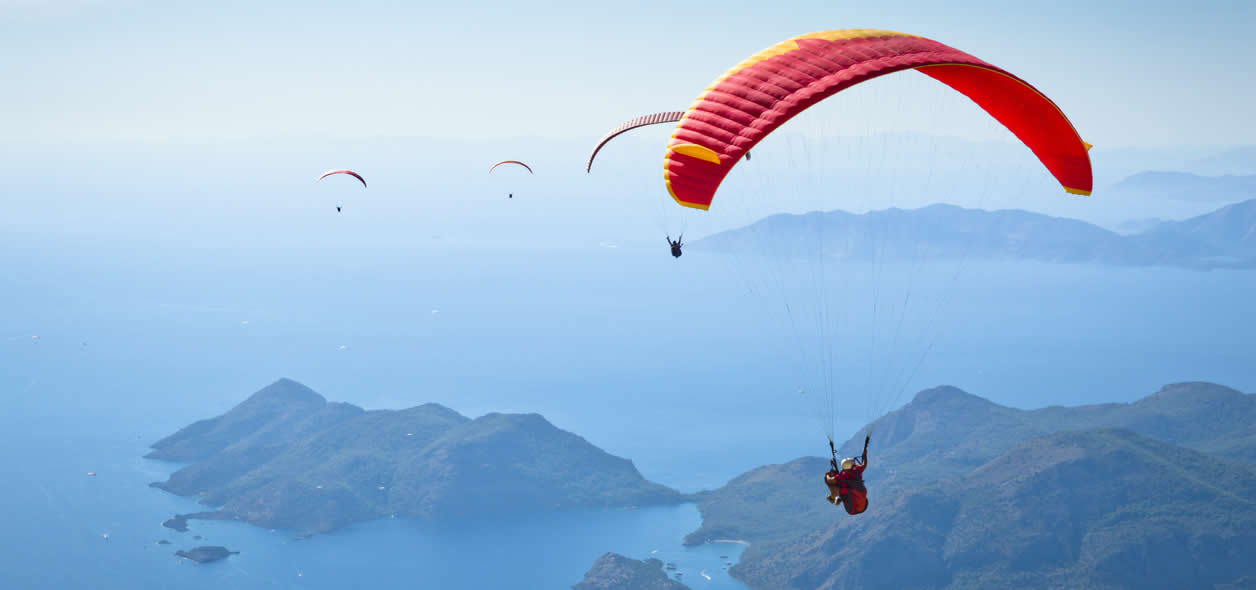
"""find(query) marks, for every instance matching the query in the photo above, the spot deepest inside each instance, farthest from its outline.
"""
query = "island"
(177, 522)
(963, 492)
(287, 458)
(612, 571)
(206, 554)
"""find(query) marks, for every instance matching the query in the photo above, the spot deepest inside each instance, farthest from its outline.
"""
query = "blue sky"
(1137, 73)
(203, 123)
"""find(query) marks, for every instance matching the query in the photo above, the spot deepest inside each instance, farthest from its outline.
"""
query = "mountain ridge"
(1011, 523)
(1225, 237)
(945, 433)
(315, 466)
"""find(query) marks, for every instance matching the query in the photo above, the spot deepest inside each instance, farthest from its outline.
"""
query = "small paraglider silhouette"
(516, 162)
(676, 245)
(347, 172)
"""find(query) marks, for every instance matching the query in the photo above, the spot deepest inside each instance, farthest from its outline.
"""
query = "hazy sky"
(1140, 72)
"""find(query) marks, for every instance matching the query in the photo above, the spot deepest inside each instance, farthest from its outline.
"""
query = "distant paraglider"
(676, 245)
(494, 166)
(347, 172)
(629, 125)
(517, 162)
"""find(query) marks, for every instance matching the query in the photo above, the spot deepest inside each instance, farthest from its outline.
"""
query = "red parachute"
(761, 93)
(349, 172)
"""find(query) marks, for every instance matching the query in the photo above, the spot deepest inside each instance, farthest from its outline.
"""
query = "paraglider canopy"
(629, 125)
(760, 94)
(349, 172)
(494, 166)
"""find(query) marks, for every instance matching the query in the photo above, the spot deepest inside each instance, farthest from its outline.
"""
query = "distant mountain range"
(1185, 186)
(964, 493)
(1222, 238)
(1239, 160)
(287, 458)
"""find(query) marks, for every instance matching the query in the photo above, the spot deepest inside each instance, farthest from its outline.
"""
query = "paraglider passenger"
(676, 244)
(845, 483)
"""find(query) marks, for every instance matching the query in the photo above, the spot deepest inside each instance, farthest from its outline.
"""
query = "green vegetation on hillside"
(286, 458)
(946, 435)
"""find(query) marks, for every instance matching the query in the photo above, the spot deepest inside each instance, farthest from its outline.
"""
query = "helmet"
(848, 463)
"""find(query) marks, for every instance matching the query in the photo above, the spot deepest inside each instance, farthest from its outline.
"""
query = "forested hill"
(287, 458)
(1058, 482)
(1080, 509)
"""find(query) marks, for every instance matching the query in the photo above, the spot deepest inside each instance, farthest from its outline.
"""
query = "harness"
(852, 491)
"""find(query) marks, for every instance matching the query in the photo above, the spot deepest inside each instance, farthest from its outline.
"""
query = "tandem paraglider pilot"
(845, 482)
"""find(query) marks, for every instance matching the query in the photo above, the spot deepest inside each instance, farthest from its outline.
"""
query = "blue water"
(670, 363)
(55, 538)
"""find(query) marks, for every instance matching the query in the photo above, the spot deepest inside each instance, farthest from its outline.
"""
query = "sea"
(693, 368)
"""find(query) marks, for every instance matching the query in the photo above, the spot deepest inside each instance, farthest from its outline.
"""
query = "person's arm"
(864, 457)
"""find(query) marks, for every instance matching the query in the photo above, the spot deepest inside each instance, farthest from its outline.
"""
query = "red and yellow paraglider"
(760, 94)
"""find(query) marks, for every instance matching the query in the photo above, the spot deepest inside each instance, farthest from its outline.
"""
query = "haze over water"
(672, 364)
